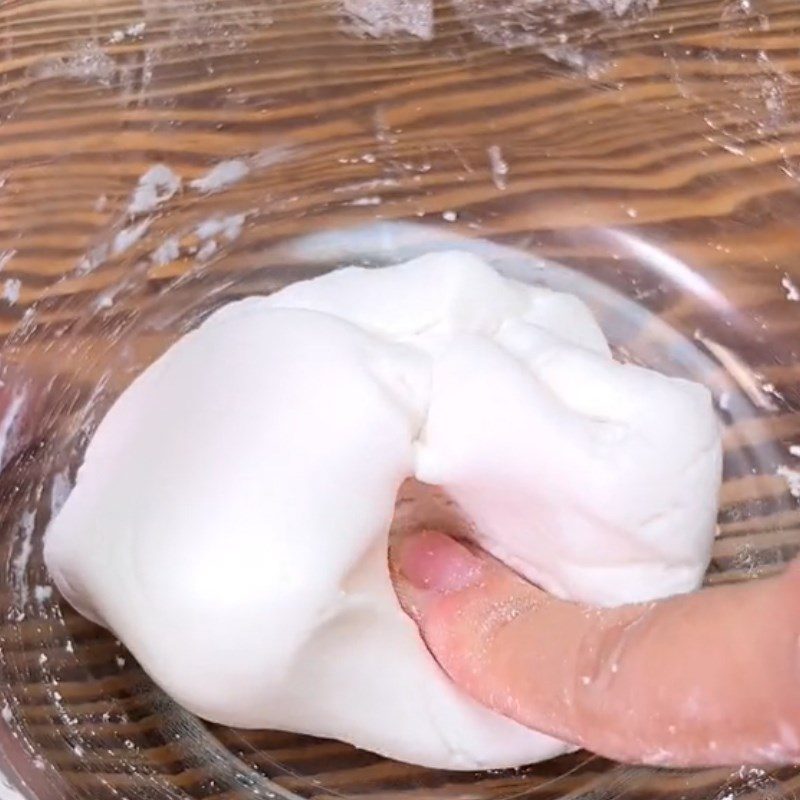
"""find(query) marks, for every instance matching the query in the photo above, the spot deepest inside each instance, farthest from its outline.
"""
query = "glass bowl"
(161, 157)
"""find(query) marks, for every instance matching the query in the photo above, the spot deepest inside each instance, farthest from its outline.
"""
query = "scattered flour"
(792, 292)
(389, 18)
(155, 187)
(42, 593)
(59, 491)
(11, 290)
(369, 200)
(792, 478)
(770, 388)
(87, 63)
(498, 165)
(93, 259)
(5, 257)
(7, 423)
(514, 24)
(620, 8)
(230, 227)
(131, 32)
(19, 563)
(227, 227)
(166, 252)
(269, 156)
(129, 236)
(360, 186)
(221, 175)
(207, 250)
(226, 173)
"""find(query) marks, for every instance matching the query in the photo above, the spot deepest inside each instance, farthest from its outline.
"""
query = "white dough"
(230, 520)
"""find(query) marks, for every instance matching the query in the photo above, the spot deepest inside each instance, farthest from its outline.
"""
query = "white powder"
(155, 187)
(221, 175)
(621, 8)
(792, 292)
(792, 478)
(59, 491)
(129, 236)
(368, 200)
(131, 32)
(104, 301)
(389, 18)
(42, 594)
(269, 156)
(207, 250)
(5, 257)
(166, 252)
(230, 227)
(93, 259)
(7, 422)
(770, 388)
(87, 63)
(11, 290)
(498, 165)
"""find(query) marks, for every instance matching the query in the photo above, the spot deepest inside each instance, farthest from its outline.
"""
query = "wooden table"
(656, 152)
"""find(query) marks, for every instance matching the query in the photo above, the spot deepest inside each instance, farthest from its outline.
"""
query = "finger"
(704, 679)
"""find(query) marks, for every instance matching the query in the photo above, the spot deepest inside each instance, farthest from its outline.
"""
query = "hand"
(703, 679)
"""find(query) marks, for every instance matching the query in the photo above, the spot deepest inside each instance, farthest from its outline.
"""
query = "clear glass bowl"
(642, 157)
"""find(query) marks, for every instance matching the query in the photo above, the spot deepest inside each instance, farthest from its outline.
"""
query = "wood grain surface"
(655, 153)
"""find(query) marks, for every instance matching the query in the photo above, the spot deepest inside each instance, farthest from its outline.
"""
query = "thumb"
(476, 617)
(702, 679)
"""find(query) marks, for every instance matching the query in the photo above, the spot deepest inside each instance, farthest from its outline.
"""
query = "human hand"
(703, 679)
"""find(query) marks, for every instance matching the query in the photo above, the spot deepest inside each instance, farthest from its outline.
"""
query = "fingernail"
(435, 562)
